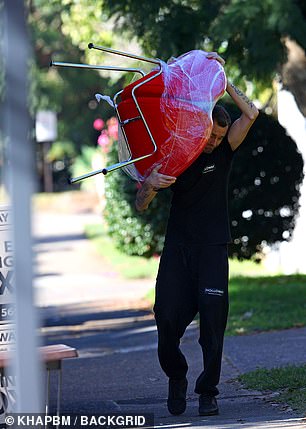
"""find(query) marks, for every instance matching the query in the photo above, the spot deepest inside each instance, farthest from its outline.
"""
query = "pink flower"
(103, 139)
(112, 121)
(98, 124)
(113, 131)
(112, 126)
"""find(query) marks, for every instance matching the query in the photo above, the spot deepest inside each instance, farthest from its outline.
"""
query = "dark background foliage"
(264, 188)
(253, 36)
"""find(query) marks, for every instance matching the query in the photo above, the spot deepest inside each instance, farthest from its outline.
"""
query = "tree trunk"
(294, 74)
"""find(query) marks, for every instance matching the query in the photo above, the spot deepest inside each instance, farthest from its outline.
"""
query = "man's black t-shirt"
(199, 208)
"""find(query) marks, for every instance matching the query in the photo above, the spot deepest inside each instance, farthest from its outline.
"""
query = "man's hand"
(157, 180)
(215, 56)
(150, 186)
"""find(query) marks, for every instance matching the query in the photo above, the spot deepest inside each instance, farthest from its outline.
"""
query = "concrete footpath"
(84, 303)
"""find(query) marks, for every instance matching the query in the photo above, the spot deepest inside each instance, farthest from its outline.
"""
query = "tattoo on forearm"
(144, 196)
(243, 96)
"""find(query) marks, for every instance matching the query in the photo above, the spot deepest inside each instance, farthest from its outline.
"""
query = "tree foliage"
(257, 43)
(251, 35)
(263, 197)
(61, 31)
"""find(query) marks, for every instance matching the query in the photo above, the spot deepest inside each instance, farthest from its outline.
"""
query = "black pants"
(192, 278)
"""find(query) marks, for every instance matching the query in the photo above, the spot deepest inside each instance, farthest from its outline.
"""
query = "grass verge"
(266, 303)
(130, 267)
(289, 384)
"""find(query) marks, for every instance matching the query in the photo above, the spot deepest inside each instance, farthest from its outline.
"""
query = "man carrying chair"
(193, 271)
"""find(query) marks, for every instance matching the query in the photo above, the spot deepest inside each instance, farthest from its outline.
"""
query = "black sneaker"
(208, 405)
(177, 396)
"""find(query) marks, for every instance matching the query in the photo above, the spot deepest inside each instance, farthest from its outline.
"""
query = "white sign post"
(16, 53)
(46, 126)
(46, 133)
(7, 309)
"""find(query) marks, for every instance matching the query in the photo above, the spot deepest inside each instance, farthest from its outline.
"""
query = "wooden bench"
(52, 357)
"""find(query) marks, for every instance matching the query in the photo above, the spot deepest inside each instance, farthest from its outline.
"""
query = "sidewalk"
(85, 304)
(69, 270)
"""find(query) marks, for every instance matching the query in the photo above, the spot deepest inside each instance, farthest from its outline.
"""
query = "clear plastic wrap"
(191, 86)
(124, 154)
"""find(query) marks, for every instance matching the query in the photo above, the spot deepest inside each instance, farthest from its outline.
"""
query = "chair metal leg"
(97, 67)
(123, 53)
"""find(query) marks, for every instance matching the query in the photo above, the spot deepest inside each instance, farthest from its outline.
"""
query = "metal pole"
(16, 54)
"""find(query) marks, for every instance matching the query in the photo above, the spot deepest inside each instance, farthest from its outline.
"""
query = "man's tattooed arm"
(153, 183)
(144, 196)
(242, 101)
(240, 128)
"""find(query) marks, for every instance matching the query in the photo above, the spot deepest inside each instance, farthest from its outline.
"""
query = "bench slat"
(51, 353)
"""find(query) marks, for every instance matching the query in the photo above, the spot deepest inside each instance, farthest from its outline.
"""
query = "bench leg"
(47, 393)
(59, 390)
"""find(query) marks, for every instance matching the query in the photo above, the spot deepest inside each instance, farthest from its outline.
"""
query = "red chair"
(165, 116)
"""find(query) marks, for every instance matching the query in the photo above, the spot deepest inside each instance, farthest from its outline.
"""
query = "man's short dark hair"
(221, 116)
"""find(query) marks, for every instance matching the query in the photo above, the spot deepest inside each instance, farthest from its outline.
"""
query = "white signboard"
(46, 126)
(7, 331)
(6, 267)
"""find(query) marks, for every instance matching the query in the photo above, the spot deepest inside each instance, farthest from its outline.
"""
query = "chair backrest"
(165, 117)
(177, 106)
